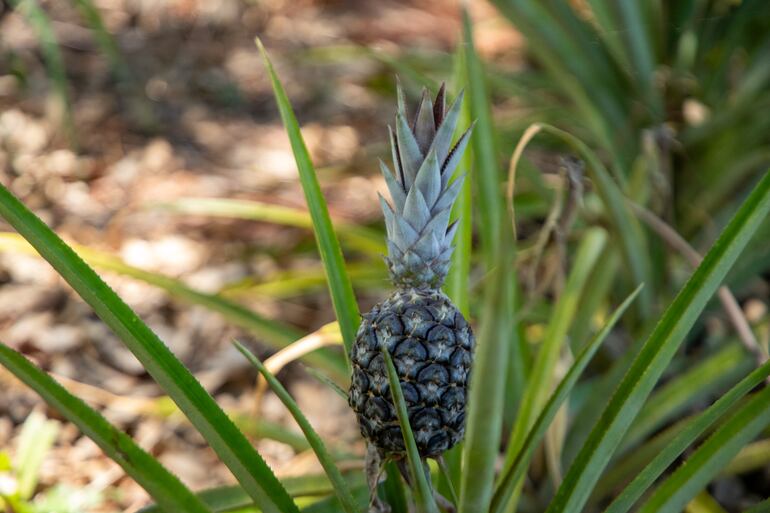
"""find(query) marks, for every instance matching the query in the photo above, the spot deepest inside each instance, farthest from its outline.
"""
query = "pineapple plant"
(429, 340)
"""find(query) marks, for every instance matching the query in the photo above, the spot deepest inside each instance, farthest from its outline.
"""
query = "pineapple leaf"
(452, 160)
(162, 486)
(448, 197)
(422, 490)
(429, 179)
(686, 437)
(416, 211)
(341, 291)
(658, 350)
(443, 140)
(326, 460)
(424, 124)
(408, 151)
(514, 471)
(706, 462)
(229, 443)
(397, 194)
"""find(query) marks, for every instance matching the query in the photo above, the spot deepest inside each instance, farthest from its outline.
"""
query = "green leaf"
(487, 387)
(364, 239)
(709, 458)
(754, 456)
(701, 380)
(164, 487)
(227, 441)
(514, 472)
(627, 228)
(657, 352)
(228, 498)
(326, 460)
(487, 172)
(540, 378)
(457, 286)
(423, 493)
(271, 332)
(54, 62)
(393, 489)
(37, 437)
(343, 299)
(686, 437)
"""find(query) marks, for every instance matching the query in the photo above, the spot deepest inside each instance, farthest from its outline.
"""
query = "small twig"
(726, 297)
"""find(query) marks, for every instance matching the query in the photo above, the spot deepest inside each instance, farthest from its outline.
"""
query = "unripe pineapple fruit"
(429, 340)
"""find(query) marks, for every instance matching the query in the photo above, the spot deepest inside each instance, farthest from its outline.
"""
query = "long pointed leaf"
(422, 491)
(487, 174)
(658, 350)
(271, 332)
(691, 432)
(487, 387)
(343, 299)
(712, 456)
(204, 413)
(327, 462)
(515, 471)
(167, 490)
(361, 238)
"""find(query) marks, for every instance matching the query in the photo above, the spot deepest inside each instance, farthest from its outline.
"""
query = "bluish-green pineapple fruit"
(426, 335)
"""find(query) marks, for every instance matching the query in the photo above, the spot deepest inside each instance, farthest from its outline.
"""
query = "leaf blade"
(512, 473)
(713, 455)
(658, 351)
(422, 491)
(327, 462)
(204, 413)
(163, 486)
(341, 290)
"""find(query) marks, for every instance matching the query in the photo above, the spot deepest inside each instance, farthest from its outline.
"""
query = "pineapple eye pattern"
(432, 352)
(428, 338)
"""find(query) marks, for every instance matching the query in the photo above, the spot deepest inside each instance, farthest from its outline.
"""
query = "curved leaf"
(167, 490)
(204, 413)
(657, 352)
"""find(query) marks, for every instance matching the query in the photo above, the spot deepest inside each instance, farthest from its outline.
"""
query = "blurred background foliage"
(146, 133)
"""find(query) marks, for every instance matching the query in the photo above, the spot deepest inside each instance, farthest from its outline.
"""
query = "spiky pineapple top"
(419, 234)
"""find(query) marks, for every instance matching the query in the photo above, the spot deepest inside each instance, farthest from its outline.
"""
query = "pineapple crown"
(419, 236)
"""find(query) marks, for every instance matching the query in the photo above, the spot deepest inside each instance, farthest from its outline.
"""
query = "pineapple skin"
(431, 344)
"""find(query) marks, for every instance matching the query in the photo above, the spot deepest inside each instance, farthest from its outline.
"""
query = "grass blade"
(269, 331)
(540, 378)
(619, 214)
(686, 437)
(487, 387)
(672, 495)
(49, 47)
(343, 299)
(457, 286)
(37, 436)
(422, 490)
(487, 172)
(658, 351)
(514, 472)
(326, 460)
(364, 239)
(702, 380)
(230, 498)
(204, 413)
(164, 487)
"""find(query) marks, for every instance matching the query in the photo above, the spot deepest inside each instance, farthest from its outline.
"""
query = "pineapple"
(428, 338)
